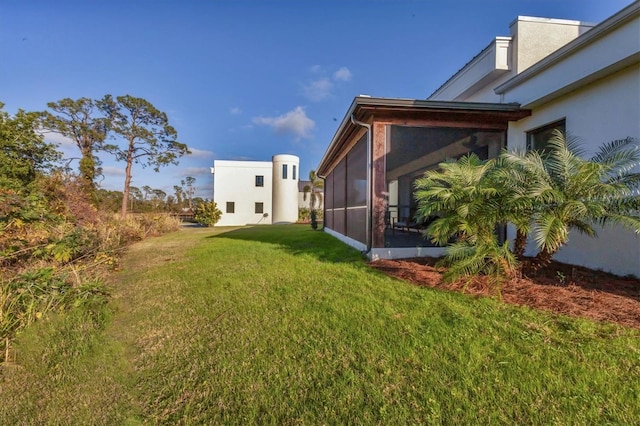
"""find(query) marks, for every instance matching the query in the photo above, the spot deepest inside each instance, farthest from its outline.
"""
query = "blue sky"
(247, 79)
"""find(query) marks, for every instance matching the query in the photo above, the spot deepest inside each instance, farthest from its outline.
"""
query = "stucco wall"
(536, 38)
(603, 111)
(285, 188)
(235, 181)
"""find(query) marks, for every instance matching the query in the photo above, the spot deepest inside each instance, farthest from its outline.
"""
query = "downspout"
(368, 226)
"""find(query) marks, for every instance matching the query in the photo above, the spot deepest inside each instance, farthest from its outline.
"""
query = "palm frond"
(550, 232)
(624, 152)
(629, 222)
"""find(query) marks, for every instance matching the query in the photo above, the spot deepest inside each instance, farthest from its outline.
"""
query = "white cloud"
(59, 139)
(322, 88)
(318, 90)
(235, 111)
(112, 171)
(343, 74)
(294, 122)
(199, 153)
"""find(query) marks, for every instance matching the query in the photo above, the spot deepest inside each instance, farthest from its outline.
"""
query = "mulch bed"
(559, 288)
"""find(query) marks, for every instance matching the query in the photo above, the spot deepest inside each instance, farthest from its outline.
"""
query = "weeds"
(53, 257)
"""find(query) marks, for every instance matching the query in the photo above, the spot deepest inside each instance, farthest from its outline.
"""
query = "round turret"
(285, 188)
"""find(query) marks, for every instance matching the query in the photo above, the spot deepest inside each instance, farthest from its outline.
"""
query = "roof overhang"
(416, 112)
(623, 55)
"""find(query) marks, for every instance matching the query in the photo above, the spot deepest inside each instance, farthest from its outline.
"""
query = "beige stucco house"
(546, 74)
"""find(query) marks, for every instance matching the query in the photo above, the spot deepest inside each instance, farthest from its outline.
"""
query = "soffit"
(416, 112)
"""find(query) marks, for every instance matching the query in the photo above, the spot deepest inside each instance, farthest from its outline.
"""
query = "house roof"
(369, 109)
(468, 65)
(597, 32)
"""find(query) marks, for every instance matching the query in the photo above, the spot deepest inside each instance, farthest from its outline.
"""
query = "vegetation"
(279, 324)
(207, 213)
(283, 325)
(568, 192)
(543, 194)
(149, 139)
(55, 250)
(23, 152)
(55, 246)
(77, 121)
(314, 189)
(189, 182)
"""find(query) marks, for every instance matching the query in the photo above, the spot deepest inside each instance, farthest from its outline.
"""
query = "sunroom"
(381, 147)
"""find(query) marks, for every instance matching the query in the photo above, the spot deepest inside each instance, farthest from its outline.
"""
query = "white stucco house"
(256, 192)
(546, 74)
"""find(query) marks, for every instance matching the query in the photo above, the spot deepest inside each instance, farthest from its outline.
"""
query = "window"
(537, 139)
(293, 172)
(260, 208)
(284, 171)
(259, 180)
(231, 207)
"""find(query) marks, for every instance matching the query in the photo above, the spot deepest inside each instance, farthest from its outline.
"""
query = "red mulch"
(559, 288)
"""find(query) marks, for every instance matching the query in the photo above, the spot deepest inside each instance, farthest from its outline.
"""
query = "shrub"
(303, 214)
(207, 213)
(544, 194)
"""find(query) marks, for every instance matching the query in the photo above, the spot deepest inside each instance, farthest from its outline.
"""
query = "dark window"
(260, 208)
(538, 139)
(231, 207)
(293, 172)
(259, 180)
(284, 171)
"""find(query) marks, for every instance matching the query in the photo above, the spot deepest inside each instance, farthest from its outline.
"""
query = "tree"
(134, 195)
(158, 198)
(544, 194)
(149, 140)
(23, 151)
(466, 199)
(566, 191)
(77, 121)
(179, 193)
(170, 203)
(108, 200)
(147, 191)
(207, 213)
(197, 201)
(191, 189)
(314, 189)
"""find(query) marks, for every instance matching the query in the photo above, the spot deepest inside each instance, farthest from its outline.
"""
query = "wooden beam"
(379, 186)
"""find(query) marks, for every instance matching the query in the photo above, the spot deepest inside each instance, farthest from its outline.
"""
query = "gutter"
(368, 226)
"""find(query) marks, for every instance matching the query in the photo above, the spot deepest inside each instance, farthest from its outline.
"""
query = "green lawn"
(285, 325)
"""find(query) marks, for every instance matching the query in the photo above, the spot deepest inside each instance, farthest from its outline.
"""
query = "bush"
(55, 249)
(207, 213)
(303, 214)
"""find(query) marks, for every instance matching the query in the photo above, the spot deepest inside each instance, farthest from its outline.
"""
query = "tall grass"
(46, 269)
(284, 325)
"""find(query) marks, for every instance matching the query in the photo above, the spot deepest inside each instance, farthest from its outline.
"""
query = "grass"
(284, 325)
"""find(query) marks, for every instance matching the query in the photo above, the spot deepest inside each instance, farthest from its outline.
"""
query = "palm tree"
(315, 189)
(569, 192)
(544, 194)
(466, 198)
